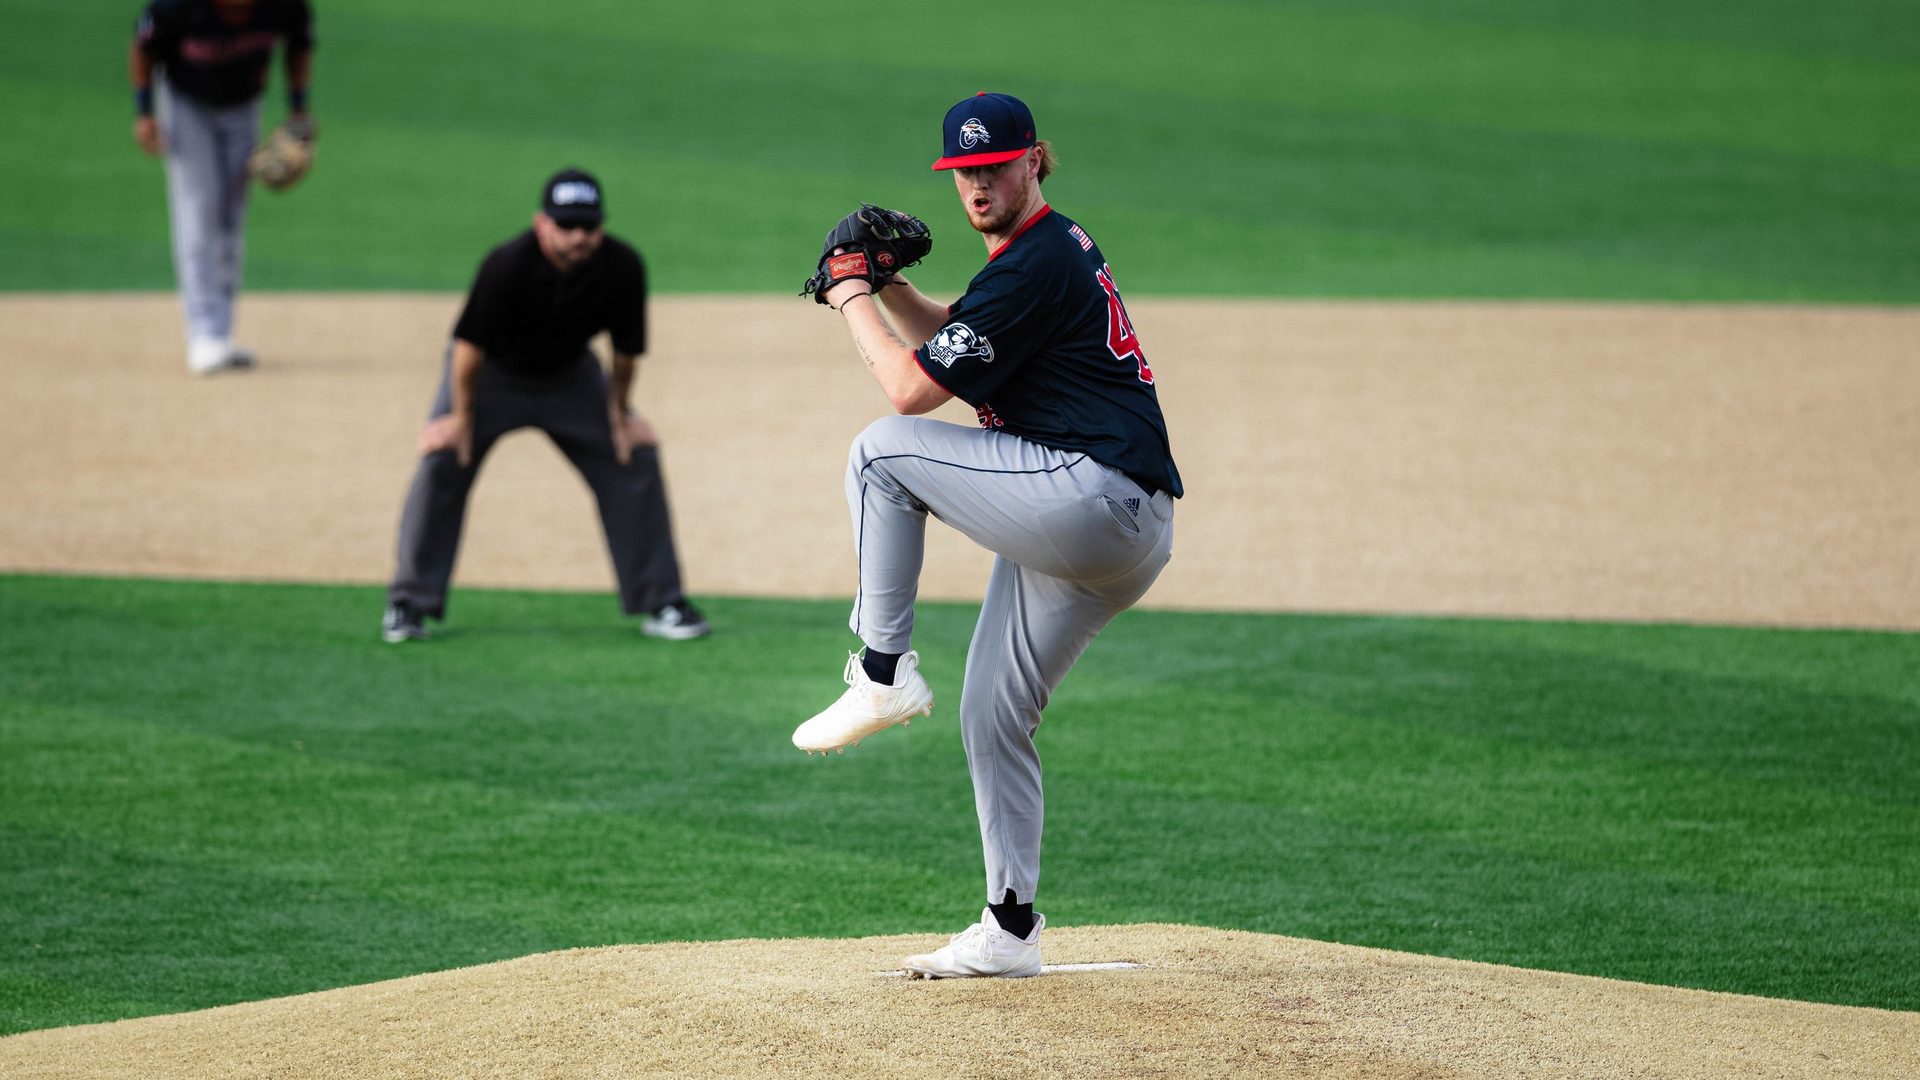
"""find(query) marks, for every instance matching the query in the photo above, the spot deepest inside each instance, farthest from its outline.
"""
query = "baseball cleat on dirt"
(982, 950)
(867, 707)
(206, 356)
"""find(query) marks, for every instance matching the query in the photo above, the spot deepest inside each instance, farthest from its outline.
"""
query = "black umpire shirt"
(531, 319)
(212, 60)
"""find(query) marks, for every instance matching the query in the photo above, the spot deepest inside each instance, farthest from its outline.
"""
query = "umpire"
(520, 358)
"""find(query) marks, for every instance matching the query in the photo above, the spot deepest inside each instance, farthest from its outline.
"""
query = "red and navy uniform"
(213, 61)
(1042, 348)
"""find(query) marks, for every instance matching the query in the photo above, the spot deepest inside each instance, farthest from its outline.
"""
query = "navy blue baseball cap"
(986, 129)
(572, 199)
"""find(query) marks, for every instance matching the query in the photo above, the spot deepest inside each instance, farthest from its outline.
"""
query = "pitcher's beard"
(999, 221)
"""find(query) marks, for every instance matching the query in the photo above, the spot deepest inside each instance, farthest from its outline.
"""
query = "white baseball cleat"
(982, 950)
(867, 707)
(206, 356)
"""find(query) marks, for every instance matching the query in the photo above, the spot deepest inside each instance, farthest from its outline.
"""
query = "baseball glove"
(874, 244)
(286, 156)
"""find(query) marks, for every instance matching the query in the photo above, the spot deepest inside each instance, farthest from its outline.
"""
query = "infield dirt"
(1705, 464)
(1711, 464)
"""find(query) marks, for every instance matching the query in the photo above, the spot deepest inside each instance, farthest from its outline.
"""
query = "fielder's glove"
(875, 244)
(286, 156)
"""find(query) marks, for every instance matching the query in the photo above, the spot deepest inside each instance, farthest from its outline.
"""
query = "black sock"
(1014, 917)
(881, 666)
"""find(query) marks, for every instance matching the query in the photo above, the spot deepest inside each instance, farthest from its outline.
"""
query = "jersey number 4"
(1121, 339)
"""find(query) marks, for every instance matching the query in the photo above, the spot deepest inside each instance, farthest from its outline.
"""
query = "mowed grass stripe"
(533, 695)
(489, 856)
(1300, 873)
(1849, 29)
(654, 190)
(1334, 218)
(1585, 196)
(27, 1003)
(1770, 712)
(1868, 665)
(97, 932)
(319, 846)
(1602, 78)
(1615, 814)
(1403, 783)
(1519, 161)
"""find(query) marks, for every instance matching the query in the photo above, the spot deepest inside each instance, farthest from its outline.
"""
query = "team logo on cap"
(972, 134)
(957, 341)
(574, 193)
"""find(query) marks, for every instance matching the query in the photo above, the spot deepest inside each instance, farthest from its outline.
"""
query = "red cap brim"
(968, 161)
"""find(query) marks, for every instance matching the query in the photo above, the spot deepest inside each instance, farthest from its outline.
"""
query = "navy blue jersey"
(213, 61)
(1042, 348)
(531, 319)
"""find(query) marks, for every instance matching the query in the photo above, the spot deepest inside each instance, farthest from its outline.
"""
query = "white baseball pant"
(1076, 544)
(207, 152)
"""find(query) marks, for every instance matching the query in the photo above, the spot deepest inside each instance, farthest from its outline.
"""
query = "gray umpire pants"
(207, 152)
(571, 407)
(1076, 543)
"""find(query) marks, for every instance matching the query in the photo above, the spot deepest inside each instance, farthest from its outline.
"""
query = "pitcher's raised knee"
(884, 437)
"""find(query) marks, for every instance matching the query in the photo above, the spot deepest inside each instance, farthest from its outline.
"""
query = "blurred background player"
(212, 57)
(520, 358)
(1069, 480)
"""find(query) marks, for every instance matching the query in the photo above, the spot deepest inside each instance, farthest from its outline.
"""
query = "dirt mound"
(1206, 1003)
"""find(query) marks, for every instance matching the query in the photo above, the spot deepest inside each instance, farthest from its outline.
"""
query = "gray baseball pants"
(207, 152)
(571, 407)
(1076, 543)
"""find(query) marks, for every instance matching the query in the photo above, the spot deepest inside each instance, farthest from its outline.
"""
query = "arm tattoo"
(860, 342)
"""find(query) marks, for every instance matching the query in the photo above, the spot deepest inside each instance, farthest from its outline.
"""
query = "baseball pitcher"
(1069, 480)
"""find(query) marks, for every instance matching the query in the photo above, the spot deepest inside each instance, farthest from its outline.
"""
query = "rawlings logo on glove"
(871, 244)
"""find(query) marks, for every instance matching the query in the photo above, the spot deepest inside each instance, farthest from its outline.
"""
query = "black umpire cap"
(572, 200)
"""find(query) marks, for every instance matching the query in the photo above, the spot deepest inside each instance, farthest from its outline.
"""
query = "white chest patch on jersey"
(957, 341)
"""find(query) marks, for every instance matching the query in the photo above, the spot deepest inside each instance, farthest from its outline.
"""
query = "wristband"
(143, 100)
(297, 100)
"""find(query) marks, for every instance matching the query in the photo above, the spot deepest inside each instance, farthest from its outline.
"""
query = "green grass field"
(220, 792)
(1666, 149)
(213, 793)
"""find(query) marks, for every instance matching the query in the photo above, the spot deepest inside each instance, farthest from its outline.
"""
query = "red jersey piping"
(1031, 222)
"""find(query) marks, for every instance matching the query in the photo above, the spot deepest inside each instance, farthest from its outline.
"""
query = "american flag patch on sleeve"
(1086, 242)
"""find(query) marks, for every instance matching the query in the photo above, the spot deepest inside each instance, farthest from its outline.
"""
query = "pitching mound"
(1206, 1003)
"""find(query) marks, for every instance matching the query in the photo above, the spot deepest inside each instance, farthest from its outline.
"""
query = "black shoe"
(678, 621)
(402, 622)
